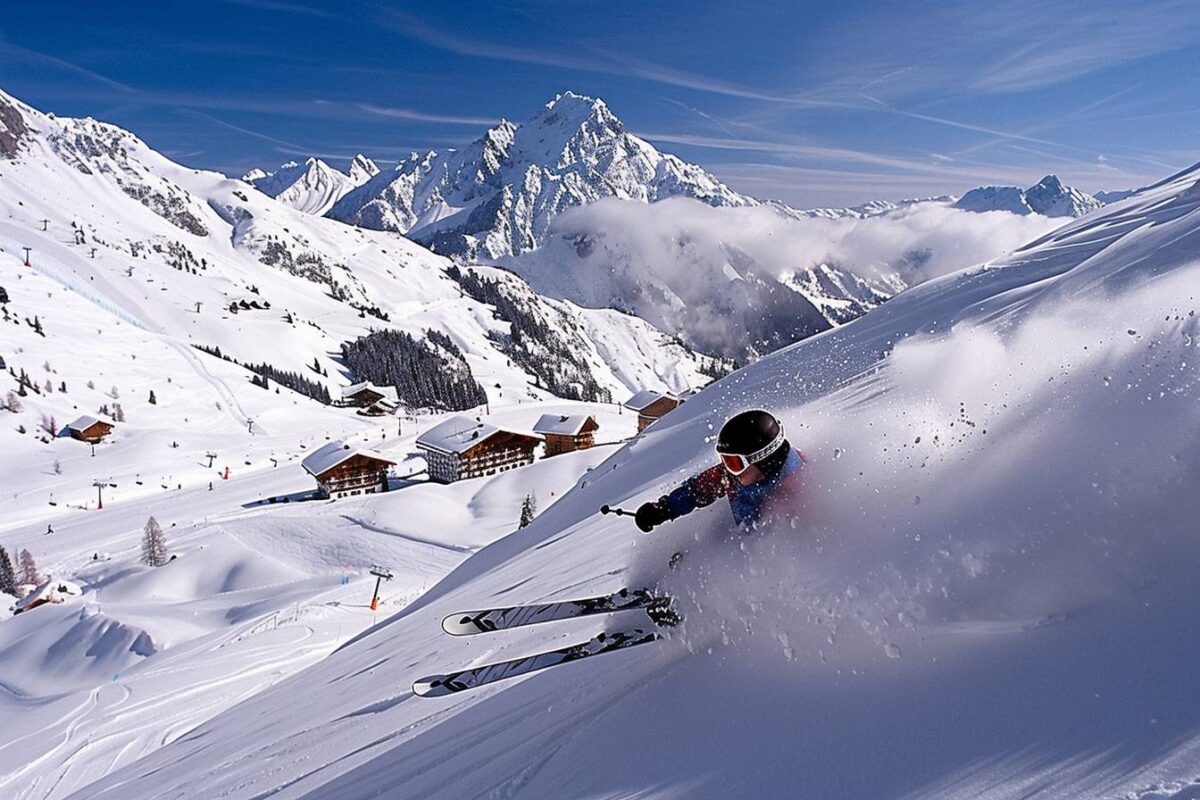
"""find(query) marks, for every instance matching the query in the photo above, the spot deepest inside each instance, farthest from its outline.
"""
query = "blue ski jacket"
(749, 504)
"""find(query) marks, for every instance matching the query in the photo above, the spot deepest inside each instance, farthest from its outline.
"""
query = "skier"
(759, 470)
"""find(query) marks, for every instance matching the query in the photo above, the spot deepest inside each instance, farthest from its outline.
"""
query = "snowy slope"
(988, 590)
(258, 591)
(137, 262)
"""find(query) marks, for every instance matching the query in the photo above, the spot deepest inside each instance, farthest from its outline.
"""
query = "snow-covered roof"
(459, 434)
(388, 392)
(562, 424)
(84, 422)
(52, 591)
(326, 458)
(645, 398)
(456, 435)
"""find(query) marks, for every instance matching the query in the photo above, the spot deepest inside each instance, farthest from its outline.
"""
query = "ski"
(607, 642)
(468, 623)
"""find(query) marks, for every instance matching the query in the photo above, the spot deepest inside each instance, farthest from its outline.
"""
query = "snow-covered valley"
(986, 588)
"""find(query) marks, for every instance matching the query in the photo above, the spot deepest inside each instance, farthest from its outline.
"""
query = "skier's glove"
(649, 516)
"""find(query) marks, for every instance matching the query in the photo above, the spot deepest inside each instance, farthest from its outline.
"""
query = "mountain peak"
(362, 169)
(1049, 197)
(1050, 182)
(572, 111)
(498, 196)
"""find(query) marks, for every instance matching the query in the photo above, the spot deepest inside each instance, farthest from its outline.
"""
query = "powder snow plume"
(996, 475)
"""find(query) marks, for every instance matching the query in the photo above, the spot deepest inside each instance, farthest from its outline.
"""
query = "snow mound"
(59, 648)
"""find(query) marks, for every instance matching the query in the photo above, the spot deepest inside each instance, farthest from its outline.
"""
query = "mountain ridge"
(1049, 197)
(497, 196)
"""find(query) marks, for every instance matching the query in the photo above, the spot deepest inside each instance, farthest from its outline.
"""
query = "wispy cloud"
(785, 149)
(230, 126)
(281, 7)
(1100, 37)
(422, 116)
(34, 55)
(599, 61)
(966, 126)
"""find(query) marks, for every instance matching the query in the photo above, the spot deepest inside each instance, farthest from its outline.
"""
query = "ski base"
(607, 642)
(468, 623)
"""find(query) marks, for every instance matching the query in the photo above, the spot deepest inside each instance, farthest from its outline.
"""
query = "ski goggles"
(737, 464)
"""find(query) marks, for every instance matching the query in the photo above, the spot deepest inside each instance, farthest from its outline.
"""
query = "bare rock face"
(12, 129)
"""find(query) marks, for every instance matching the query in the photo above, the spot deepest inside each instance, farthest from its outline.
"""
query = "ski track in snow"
(406, 536)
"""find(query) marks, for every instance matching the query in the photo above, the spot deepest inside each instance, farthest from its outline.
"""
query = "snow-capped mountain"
(985, 589)
(498, 196)
(1048, 197)
(312, 187)
(524, 196)
(200, 258)
(362, 169)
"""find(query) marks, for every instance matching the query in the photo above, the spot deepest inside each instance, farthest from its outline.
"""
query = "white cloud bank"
(719, 276)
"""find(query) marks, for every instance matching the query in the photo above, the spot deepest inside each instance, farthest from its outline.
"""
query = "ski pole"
(620, 512)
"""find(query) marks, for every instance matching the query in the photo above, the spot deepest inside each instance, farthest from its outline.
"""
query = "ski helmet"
(750, 437)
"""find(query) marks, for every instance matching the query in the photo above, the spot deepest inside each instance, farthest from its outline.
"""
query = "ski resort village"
(595, 402)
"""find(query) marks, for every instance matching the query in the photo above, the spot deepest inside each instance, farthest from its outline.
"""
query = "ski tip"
(459, 625)
(437, 686)
(430, 687)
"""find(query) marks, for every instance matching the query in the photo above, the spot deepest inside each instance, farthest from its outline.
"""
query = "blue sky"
(812, 103)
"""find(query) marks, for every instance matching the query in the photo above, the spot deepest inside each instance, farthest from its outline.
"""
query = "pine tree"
(528, 510)
(154, 544)
(153, 399)
(29, 569)
(8, 574)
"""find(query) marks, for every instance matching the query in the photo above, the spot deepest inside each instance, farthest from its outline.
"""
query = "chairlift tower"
(381, 574)
(101, 484)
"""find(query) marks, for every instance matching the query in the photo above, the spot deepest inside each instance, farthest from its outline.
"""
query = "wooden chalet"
(88, 429)
(462, 448)
(373, 400)
(50, 591)
(567, 433)
(651, 405)
(341, 469)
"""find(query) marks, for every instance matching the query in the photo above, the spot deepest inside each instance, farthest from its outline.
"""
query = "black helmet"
(751, 437)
